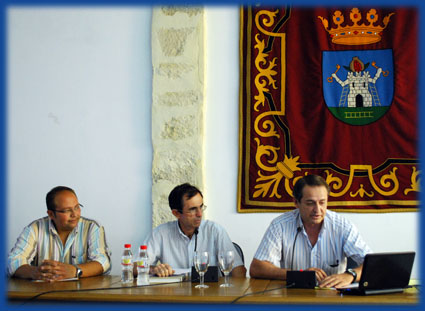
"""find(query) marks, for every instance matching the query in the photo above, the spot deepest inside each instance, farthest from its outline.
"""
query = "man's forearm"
(91, 268)
(26, 272)
(266, 270)
(239, 272)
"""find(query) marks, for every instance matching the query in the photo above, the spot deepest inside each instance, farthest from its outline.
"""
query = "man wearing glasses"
(61, 245)
(174, 243)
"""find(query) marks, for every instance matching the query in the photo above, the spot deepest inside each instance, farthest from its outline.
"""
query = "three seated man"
(65, 245)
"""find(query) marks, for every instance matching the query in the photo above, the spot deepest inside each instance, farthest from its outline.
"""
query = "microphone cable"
(95, 289)
(196, 238)
(293, 246)
(261, 292)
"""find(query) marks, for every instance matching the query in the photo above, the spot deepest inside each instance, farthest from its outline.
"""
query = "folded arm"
(263, 269)
(51, 270)
(239, 272)
(99, 255)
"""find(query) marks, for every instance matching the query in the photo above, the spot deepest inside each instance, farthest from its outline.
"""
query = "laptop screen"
(386, 270)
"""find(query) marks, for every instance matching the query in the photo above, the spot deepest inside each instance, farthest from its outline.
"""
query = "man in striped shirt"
(61, 245)
(310, 238)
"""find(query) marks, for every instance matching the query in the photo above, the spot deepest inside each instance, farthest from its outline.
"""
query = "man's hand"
(320, 274)
(163, 270)
(37, 273)
(336, 280)
(51, 270)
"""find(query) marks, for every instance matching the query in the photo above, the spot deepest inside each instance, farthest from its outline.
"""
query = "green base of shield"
(360, 115)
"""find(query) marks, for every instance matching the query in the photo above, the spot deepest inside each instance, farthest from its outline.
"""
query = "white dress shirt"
(168, 244)
(338, 239)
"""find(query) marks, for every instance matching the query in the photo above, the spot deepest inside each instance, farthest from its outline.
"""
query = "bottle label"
(126, 262)
(142, 263)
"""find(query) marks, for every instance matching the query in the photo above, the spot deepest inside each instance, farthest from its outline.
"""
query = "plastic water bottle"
(143, 266)
(127, 265)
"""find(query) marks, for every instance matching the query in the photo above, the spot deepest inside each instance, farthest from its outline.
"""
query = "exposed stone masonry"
(177, 107)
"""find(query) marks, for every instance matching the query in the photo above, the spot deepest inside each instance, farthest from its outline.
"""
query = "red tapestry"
(333, 92)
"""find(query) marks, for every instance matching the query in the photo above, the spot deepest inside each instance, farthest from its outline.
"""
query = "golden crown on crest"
(356, 34)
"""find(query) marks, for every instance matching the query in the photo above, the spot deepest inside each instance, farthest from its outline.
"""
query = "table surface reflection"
(245, 290)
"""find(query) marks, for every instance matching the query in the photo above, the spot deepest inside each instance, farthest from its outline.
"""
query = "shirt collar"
(299, 222)
(52, 227)
(325, 222)
(182, 233)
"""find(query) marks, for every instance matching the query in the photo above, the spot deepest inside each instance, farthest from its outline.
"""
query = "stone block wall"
(177, 103)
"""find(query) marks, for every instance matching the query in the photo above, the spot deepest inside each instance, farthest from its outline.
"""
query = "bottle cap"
(127, 245)
(143, 247)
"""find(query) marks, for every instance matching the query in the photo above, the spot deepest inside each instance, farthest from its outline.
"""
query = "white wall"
(79, 115)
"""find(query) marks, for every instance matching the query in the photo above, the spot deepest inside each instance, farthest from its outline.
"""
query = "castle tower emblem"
(359, 85)
(360, 90)
(357, 89)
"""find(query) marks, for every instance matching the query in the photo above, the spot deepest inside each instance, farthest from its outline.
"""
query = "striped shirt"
(40, 240)
(168, 244)
(338, 239)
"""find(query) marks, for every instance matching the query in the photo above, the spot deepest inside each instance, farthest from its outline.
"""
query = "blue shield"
(358, 86)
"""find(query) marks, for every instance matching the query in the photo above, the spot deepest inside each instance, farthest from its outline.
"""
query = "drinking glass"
(225, 261)
(201, 261)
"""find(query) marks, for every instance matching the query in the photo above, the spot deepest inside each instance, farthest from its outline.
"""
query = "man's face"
(67, 212)
(191, 215)
(313, 205)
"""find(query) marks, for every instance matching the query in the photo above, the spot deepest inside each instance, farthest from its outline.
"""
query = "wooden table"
(244, 291)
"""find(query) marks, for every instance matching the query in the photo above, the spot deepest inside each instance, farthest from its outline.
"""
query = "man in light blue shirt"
(174, 243)
(310, 238)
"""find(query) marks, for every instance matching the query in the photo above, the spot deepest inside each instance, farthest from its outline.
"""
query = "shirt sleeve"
(154, 247)
(355, 247)
(24, 250)
(270, 248)
(97, 247)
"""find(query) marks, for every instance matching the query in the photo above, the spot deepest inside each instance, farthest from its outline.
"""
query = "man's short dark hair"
(308, 180)
(175, 199)
(51, 196)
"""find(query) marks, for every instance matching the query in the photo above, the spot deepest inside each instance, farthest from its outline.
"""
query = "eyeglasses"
(69, 211)
(194, 210)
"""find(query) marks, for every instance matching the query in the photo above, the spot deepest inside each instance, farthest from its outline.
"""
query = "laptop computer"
(383, 273)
